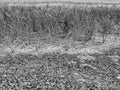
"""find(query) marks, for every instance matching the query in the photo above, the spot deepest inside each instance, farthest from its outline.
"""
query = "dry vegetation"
(58, 71)
(30, 23)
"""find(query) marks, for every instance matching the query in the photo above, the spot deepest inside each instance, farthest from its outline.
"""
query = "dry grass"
(100, 1)
(51, 56)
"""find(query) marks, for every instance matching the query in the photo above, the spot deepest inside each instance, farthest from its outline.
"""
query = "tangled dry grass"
(56, 48)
